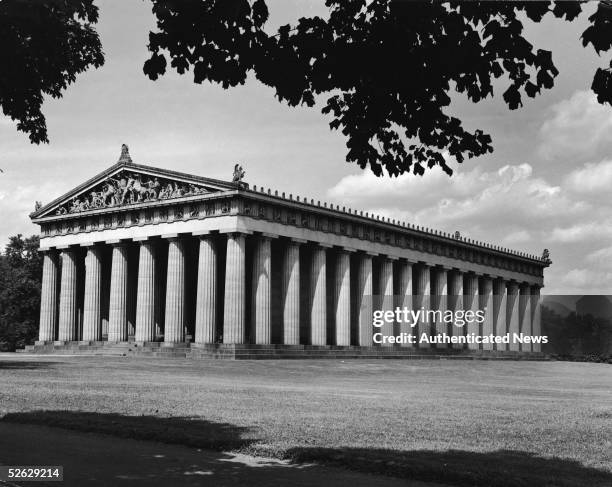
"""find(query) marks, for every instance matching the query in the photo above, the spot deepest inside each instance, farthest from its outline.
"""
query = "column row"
(353, 294)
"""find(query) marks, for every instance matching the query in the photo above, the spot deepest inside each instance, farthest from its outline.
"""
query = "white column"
(291, 294)
(421, 300)
(470, 302)
(536, 317)
(386, 295)
(441, 297)
(512, 316)
(486, 304)
(343, 298)
(235, 289)
(68, 297)
(525, 315)
(117, 308)
(500, 303)
(456, 304)
(206, 301)
(404, 296)
(318, 296)
(145, 297)
(48, 297)
(174, 328)
(364, 296)
(262, 289)
(92, 312)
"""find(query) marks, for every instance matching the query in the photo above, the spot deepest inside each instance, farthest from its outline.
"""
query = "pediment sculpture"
(128, 188)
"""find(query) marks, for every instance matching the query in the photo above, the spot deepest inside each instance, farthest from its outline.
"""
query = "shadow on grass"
(197, 433)
(452, 467)
(460, 468)
(25, 364)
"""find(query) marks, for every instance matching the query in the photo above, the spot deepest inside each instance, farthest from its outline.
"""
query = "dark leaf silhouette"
(44, 45)
(384, 70)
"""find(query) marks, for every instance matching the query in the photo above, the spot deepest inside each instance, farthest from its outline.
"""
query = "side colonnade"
(245, 287)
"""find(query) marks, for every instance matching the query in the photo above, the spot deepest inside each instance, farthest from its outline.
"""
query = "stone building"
(156, 259)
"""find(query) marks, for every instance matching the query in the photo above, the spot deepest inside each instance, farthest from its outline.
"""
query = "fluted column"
(68, 297)
(117, 308)
(441, 296)
(92, 311)
(48, 297)
(536, 317)
(364, 296)
(343, 298)
(512, 316)
(525, 315)
(235, 289)
(206, 301)
(404, 296)
(174, 322)
(145, 297)
(456, 304)
(421, 300)
(318, 296)
(261, 293)
(470, 302)
(291, 294)
(486, 304)
(386, 295)
(500, 303)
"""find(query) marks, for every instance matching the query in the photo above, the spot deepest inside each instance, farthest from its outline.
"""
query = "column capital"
(342, 248)
(297, 240)
(64, 248)
(236, 231)
(117, 242)
(92, 244)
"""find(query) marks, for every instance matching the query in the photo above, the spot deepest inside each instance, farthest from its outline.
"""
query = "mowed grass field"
(456, 422)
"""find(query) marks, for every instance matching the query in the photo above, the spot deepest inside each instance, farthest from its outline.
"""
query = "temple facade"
(146, 255)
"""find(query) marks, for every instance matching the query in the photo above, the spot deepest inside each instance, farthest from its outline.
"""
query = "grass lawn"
(459, 422)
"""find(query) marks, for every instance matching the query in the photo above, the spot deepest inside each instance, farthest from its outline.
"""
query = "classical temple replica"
(140, 260)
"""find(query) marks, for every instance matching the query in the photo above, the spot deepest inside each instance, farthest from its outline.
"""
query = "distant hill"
(597, 306)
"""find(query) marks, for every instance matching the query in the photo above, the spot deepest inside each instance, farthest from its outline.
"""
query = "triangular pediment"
(128, 184)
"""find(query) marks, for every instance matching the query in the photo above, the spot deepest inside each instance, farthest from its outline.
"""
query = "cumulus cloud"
(510, 206)
(591, 178)
(578, 128)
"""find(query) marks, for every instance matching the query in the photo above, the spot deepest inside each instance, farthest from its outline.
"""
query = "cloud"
(467, 201)
(582, 232)
(510, 206)
(591, 178)
(588, 281)
(578, 128)
(601, 257)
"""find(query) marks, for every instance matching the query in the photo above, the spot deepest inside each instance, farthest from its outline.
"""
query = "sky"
(546, 185)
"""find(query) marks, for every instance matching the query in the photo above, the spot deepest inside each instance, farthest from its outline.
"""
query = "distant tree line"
(577, 336)
(20, 282)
